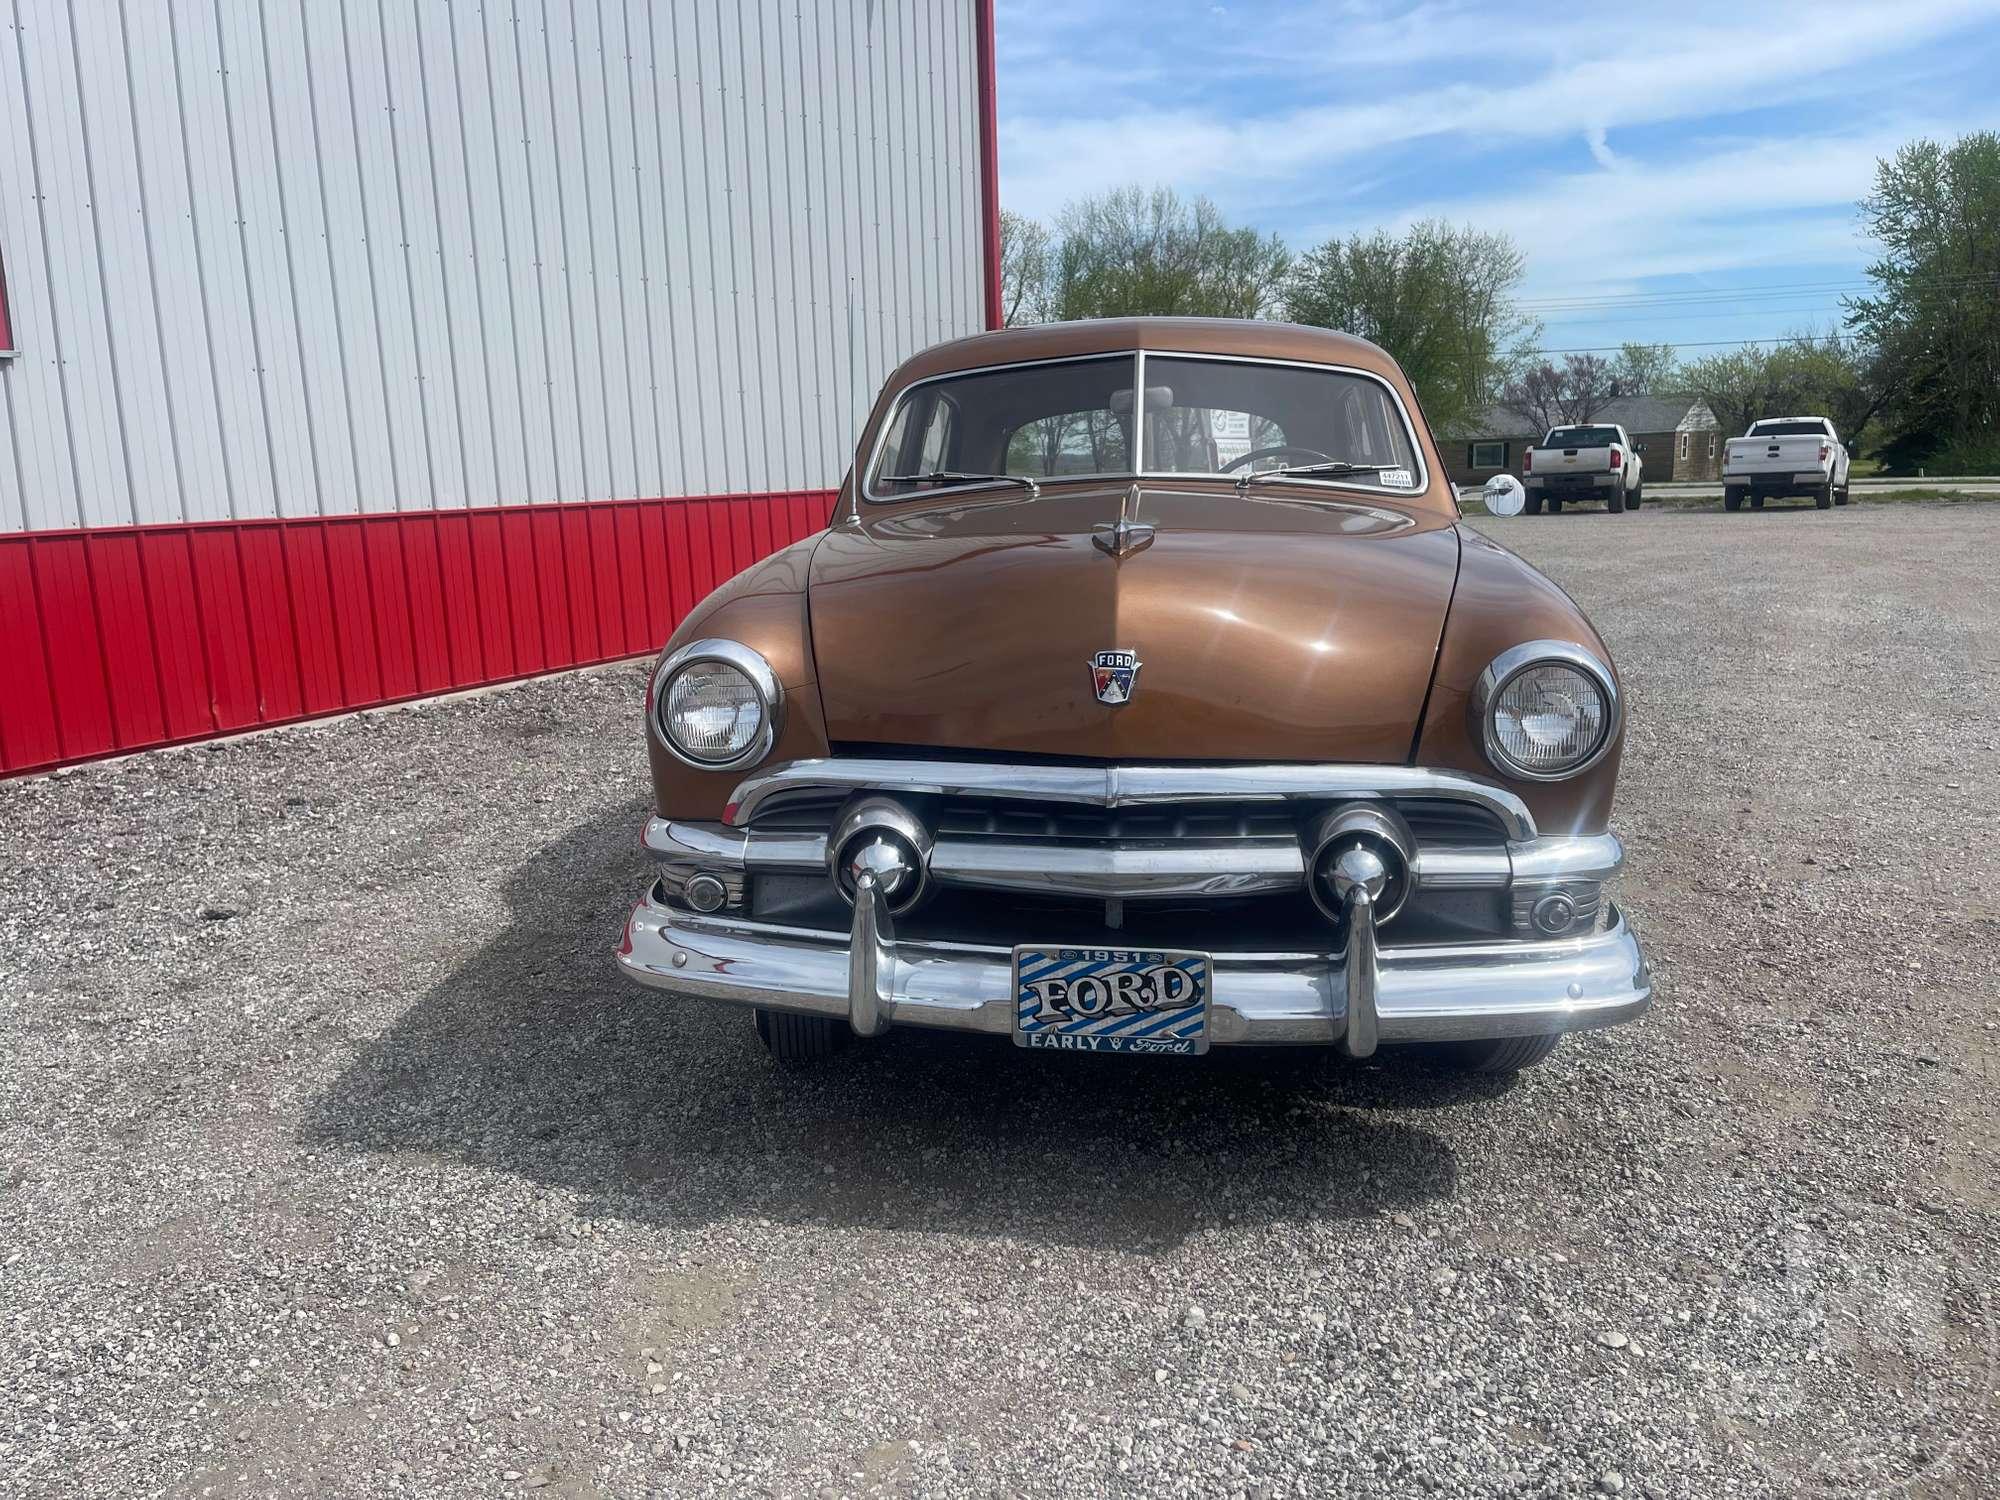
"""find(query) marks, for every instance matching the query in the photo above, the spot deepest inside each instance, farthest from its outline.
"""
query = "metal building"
(361, 351)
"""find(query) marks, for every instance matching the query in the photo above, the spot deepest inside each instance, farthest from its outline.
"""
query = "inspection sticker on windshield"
(1111, 1000)
(1398, 479)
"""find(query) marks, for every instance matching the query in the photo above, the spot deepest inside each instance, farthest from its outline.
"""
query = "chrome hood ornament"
(1121, 538)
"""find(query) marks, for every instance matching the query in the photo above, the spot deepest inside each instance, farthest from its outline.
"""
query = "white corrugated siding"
(309, 257)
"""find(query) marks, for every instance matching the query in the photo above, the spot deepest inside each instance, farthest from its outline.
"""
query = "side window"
(1488, 456)
(922, 435)
(1684, 448)
(1711, 445)
(940, 437)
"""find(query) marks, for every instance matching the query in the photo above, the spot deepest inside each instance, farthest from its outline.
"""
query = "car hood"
(1274, 626)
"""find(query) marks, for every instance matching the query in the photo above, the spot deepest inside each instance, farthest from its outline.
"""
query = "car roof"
(1250, 337)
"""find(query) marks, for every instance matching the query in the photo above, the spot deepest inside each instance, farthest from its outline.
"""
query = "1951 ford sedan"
(1144, 694)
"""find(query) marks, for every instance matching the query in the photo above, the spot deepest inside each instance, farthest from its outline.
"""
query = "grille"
(992, 818)
(1267, 921)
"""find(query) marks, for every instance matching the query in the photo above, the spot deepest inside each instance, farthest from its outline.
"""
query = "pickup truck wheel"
(1756, 502)
(1534, 505)
(1638, 494)
(1732, 498)
(799, 1041)
(1823, 497)
(1840, 495)
(1615, 502)
(1555, 506)
(1507, 1054)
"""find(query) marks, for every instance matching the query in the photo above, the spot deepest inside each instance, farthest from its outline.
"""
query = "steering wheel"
(1286, 451)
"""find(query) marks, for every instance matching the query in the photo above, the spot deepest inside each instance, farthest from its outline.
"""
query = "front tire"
(1507, 1054)
(1555, 506)
(800, 1041)
(1840, 495)
(1632, 501)
(1756, 502)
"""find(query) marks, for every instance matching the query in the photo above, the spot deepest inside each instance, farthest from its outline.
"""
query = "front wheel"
(1756, 502)
(1840, 495)
(1555, 506)
(1509, 1054)
(1632, 501)
(798, 1041)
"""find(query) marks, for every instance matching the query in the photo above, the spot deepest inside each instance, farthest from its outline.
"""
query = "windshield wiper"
(1303, 471)
(953, 476)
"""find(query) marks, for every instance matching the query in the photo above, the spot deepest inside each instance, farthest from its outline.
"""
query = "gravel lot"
(336, 1160)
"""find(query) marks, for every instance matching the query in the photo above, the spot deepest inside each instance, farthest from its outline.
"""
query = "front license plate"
(1112, 1000)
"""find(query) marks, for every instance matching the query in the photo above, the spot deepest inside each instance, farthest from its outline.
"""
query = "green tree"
(1024, 268)
(1440, 298)
(1808, 375)
(1646, 370)
(1133, 252)
(1935, 313)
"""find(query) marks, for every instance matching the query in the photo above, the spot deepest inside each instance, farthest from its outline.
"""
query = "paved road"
(335, 1161)
(1986, 486)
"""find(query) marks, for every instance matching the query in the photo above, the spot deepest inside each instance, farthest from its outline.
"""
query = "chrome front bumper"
(1433, 993)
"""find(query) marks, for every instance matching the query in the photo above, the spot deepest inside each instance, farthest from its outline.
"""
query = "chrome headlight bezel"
(740, 658)
(1510, 664)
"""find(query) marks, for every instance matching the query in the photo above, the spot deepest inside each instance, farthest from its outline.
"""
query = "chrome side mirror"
(1504, 495)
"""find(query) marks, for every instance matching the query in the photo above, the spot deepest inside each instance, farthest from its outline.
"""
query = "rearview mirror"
(1504, 495)
(1638, 447)
(1158, 398)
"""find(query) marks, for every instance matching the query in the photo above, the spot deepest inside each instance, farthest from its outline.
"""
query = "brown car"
(1144, 694)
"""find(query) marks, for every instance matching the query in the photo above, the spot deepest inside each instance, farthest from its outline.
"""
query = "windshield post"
(1138, 453)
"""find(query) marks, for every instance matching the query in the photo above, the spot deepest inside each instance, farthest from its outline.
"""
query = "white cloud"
(1091, 103)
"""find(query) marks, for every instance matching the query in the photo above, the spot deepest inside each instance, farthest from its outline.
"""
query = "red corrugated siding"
(124, 638)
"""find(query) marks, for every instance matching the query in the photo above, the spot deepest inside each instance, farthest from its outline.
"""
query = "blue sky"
(1697, 163)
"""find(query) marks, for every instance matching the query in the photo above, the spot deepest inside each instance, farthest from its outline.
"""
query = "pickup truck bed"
(1589, 462)
(1785, 456)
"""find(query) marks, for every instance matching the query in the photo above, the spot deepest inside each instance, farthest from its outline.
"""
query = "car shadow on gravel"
(535, 1057)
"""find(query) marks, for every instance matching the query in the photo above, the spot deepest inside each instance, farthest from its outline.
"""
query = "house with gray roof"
(1680, 434)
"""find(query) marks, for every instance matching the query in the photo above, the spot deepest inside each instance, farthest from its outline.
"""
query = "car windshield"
(1581, 437)
(1789, 429)
(1201, 415)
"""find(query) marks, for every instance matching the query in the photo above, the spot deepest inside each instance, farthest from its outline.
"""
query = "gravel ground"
(335, 1160)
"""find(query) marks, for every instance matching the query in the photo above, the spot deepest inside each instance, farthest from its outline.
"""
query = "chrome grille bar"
(1123, 786)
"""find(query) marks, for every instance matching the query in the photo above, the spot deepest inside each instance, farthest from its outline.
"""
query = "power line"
(1620, 315)
(1621, 301)
(1789, 338)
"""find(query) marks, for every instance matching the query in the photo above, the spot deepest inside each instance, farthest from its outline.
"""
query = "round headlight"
(1546, 710)
(715, 704)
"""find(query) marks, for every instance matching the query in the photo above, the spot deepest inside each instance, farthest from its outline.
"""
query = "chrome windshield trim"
(1125, 786)
(864, 488)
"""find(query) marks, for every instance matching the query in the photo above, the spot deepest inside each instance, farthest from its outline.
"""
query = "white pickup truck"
(1785, 456)
(1583, 462)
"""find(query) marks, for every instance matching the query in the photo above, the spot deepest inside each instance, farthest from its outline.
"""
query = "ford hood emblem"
(1114, 674)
